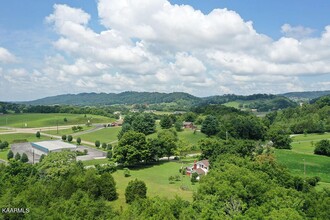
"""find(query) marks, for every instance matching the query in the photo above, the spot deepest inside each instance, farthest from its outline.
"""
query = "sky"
(209, 47)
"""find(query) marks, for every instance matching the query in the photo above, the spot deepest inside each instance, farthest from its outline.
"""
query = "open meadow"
(156, 179)
(302, 157)
(46, 120)
(106, 135)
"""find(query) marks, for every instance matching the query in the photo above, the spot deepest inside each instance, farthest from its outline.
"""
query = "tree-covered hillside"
(307, 118)
(183, 101)
(306, 95)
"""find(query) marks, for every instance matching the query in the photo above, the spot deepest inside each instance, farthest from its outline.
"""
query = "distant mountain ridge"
(181, 98)
(113, 98)
(309, 95)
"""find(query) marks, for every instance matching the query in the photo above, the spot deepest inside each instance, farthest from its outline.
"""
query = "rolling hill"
(261, 102)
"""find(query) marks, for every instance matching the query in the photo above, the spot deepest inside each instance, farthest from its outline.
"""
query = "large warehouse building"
(45, 147)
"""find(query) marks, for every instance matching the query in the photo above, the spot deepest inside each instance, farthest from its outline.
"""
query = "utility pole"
(304, 168)
(226, 135)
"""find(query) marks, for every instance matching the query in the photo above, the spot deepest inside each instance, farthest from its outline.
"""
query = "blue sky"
(53, 47)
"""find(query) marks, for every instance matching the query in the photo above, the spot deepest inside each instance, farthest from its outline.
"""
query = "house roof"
(205, 162)
(200, 171)
(187, 123)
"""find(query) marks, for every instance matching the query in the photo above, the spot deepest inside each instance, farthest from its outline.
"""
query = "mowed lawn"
(67, 131)
(187, 136)
(156, 179)
(104, 135)
(51, 119)
(303, 153)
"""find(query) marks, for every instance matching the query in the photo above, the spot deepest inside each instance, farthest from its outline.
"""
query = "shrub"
(38, 135)
(322, 148)
(171, 179)
(42, 157)
(127, 172)
(97, 144)
(194, 178)
(109, 154)
(69, 138)
(104, 145)
(136, 189)
(10, 155)
(64, 137)
(78, 140)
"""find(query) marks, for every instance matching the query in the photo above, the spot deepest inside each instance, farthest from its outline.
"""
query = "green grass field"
(156, 179)
(188, 136)
(315, 165)
(302, 150)
(45, 120)
(67, 131)
(3, 154)
(29, 137)
(232, 104)
(310, 137)
(105, 135)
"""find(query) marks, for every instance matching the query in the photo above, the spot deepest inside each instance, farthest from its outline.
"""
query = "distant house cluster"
(199, 167)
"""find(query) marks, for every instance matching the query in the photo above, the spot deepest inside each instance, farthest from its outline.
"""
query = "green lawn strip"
(232, 104)
(191, 137)
(51, 119)
(10, 138)
(104, 135)
(3, 154)
(95, 162)
(67, 131)
(187, 135)
(303, 147)
(156, 179)
(310, 137)
(316, 165)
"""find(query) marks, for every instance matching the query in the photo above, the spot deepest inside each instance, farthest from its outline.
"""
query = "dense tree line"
(308, 118)
(240, 185)
(58, 187)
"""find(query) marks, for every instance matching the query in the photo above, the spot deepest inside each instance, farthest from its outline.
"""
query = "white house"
(201, 168)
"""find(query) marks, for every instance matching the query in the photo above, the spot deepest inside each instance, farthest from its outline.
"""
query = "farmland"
(47, 120)
(302, 157)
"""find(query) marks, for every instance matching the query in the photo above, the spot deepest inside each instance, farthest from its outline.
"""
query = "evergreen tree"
(24, 158)
(97, 144)
(70, 138)
(134, 190)
(17, 156)
(10, 155)
(78, 140)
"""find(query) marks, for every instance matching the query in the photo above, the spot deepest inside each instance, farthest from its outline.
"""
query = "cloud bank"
(158, 46)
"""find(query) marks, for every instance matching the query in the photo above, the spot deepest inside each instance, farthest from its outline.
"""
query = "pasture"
(47, 120)
(302, 155)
